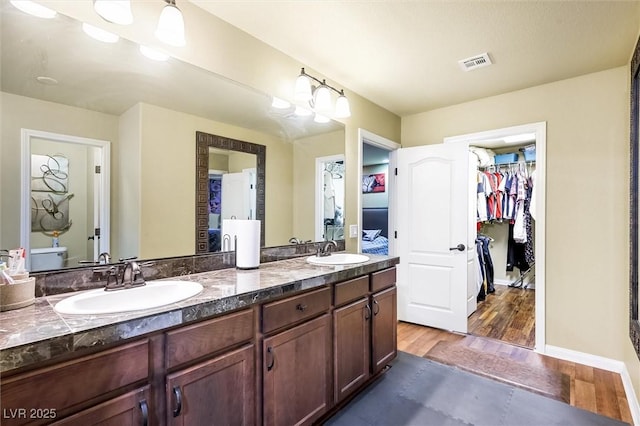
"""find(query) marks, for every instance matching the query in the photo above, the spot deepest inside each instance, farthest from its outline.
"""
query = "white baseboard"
(604, 364)
(507, 282)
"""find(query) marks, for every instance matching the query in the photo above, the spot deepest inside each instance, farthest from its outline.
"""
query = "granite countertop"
(38, 333)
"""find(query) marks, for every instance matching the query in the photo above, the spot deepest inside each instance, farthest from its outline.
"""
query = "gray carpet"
(420, 392)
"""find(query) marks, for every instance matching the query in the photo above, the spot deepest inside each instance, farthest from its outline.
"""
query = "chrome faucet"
(121, 277)
(325, 249)
(132, 274)
(104, 258)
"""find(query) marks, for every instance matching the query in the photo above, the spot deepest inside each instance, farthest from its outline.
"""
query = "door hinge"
(96, 232)
(98, 168)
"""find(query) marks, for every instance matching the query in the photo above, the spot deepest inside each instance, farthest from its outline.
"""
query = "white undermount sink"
(338, 259)
(151, 295)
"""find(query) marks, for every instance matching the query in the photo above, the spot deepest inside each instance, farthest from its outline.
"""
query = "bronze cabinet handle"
(367, 314)
(273, 358)
(301, 307)
(375, 303)
(178, 394)
(145, 412)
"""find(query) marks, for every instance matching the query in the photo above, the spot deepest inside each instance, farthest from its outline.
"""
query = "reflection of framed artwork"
(373, 183)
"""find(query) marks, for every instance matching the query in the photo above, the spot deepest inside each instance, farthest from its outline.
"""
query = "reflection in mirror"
(232, 190)
(330, 198)
(238, 193)
(64, 199)
(150, 112)
(634, 243)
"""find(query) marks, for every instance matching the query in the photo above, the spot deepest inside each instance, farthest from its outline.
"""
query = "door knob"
(459, 247)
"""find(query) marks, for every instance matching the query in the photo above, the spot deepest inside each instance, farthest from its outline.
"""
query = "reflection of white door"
(76, 193)
(435, 247)
(238, 192)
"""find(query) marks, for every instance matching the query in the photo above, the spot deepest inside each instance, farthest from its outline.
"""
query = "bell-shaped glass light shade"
(171, 26)
(116, 11)
(303, 89)
(319, 118)
(342, 107)
(34, 9)
(322, 101)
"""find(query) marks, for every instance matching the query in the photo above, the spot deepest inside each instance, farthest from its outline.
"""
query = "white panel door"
(435, 248)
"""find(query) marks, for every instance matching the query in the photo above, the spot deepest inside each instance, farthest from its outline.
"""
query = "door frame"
(25, 185)
(540, 130)
(370, 138)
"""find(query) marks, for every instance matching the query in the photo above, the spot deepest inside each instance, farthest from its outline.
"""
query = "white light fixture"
(99, 34)
(153, 54)
(170, 28)
(34, 9)
(319, 97)
(116, 11)
(525, 137)
(280, 103)
(322, 100)
(303, 88)
(342, 106)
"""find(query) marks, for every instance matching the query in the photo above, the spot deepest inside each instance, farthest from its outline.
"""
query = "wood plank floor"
(592, 389)
(507, 315)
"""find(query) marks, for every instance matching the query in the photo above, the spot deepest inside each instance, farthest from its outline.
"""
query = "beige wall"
(305, 152)
(587, 208)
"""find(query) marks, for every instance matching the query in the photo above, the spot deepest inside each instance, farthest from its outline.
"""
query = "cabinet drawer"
(351, 290)
(130, 409)
(207, 337)
(279, 314)
(65, 385)
(383, 279)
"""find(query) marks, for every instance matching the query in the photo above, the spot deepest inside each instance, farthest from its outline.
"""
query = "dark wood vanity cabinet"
(286, 362)
(364, 322)
(94, 385)
(130, 409)
(220, 386)
(218, 391)
(351, 336)
(384, 323)
(296, 368)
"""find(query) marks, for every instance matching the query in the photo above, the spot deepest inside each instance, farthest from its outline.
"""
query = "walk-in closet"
(505, 203)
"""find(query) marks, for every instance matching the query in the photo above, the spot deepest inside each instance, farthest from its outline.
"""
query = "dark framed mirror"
(205, 141)
(634, 260)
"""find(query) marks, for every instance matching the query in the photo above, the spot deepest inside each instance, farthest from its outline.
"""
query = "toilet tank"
(46, 258)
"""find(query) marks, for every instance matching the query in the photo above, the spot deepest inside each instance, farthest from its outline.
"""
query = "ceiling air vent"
(475, 62)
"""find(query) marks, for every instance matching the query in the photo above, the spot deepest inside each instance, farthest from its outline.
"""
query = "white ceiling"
(403, 55)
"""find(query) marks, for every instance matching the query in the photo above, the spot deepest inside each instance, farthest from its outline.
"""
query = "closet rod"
(509, 164)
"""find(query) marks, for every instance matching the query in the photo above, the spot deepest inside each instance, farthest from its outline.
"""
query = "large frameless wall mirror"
(54, 78)
(634, 260)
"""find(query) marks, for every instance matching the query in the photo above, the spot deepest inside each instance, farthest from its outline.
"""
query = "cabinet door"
(384, 327)
(130, 409)
(217, 391)
(297, 373)
(351, 348)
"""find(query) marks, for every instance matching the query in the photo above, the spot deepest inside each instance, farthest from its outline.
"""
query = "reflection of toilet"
(47, 258)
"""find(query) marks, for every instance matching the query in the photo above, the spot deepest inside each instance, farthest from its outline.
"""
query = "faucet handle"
(112, 278)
